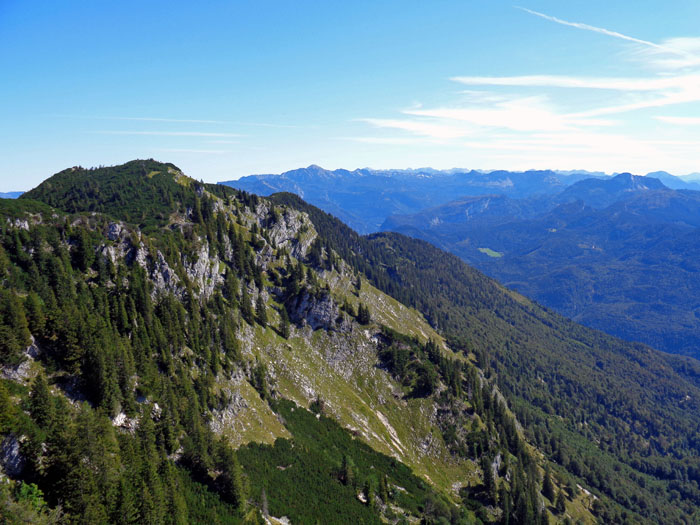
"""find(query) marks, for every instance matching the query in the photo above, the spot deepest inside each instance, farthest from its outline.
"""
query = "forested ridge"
(118, 337)
(124, 333)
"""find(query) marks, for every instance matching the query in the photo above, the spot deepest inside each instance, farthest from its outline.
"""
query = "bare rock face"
(227, 417)
(21, 224)
(11, 458)
(294, 232)
(164, 278)
(316, 310)
(122, 247)
(114, 231)
(204, 271)
(22, 371)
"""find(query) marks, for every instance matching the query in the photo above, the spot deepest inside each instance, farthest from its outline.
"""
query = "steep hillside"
(620, 417)
(141, 349)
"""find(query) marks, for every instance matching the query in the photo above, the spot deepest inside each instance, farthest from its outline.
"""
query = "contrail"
(603, 31)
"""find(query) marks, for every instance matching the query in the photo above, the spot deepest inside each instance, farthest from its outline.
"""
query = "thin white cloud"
(157, 119)
(664, 91)
(602, 31)
(521, 114)
(435, 130)
(144, 119)
(387, 141)
(270, 125)
(529, 121)
(188, 150)
(563, 81)
(170, 133)
(664, 61)
(681, 121)
(186, 121)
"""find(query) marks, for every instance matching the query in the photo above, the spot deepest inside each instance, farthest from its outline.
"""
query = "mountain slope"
(234, 313)
(144, 355)
(614, 413)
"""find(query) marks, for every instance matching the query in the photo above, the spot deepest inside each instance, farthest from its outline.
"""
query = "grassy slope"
(342, 370)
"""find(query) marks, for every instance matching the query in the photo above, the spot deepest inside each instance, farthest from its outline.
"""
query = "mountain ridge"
(219, 269)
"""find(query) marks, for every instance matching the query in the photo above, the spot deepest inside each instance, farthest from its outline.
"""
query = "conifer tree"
(383, 489)
(284, 323)
(35, 313)
(490, 489)
(246, 306)
(547, 486)
(363, 315)
(231, 482)
(231, 286)
(41, 403)
(560, 504)
(347, 475)
(14, 330)
(261, 311)
(368, 493)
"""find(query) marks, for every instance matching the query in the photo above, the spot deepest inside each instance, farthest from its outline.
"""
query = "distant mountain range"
(10, 194)
(364, 198)
(621, 253)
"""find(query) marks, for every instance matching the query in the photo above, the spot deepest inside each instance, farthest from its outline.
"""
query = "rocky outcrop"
(203, 271)
(317, 311)
(164, 278)
(11, 458)
(293, 231)
(22, 371)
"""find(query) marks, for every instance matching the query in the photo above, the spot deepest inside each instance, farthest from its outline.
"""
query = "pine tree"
(261, 311)
(197, 211)
(384, 489)
(490, 489)
(231, 482)
(363, 315)
(284, 323)
(231, 286)
(505, 505)
(246, 306)
(368, 493)
(35, 313)
(560, 504)
(84, 254)
(347, 475)
(14, 330)
(41, 406)
(547, 486)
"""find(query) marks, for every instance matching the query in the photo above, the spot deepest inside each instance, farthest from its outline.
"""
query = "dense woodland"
(617, 418)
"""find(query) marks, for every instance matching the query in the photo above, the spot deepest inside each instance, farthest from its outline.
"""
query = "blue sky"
(232, 88)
